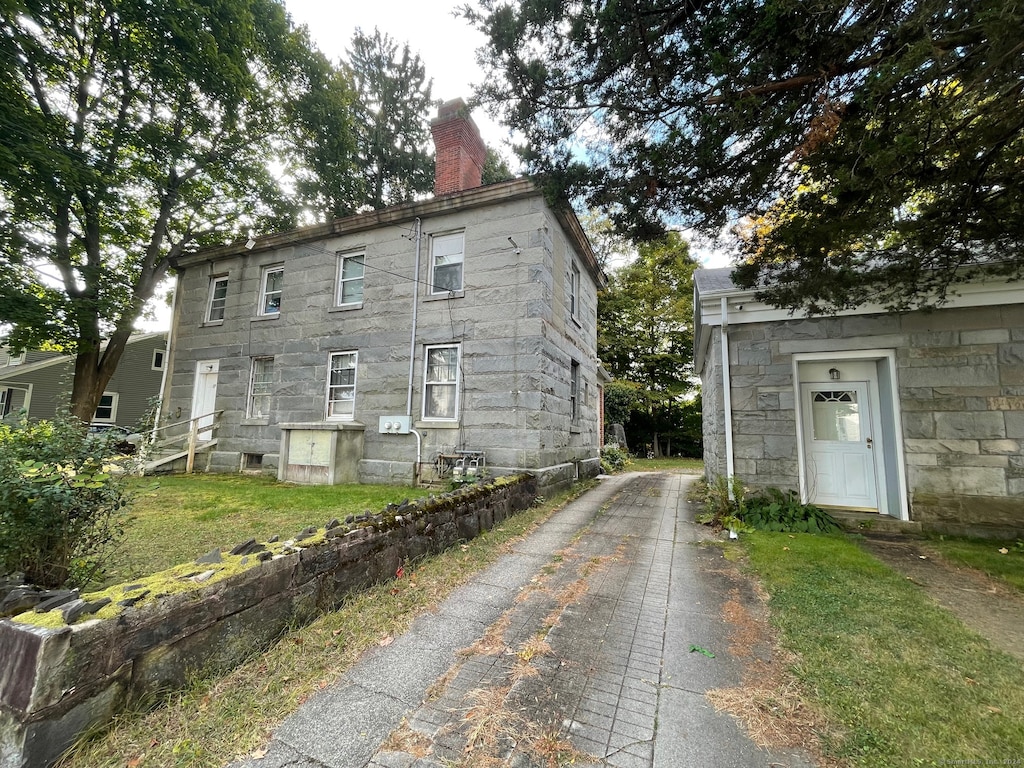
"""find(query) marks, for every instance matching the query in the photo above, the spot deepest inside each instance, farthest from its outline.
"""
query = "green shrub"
(62, 503)
(774, 510)
(724, 503)
(613, 458)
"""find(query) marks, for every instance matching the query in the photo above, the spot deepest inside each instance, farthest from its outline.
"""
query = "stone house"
(917, 416)
(420, 341)
(39, 383)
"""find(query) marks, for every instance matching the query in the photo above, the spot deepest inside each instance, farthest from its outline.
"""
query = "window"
(6, 396)
(259, 387)
(341, 385)
(158, 359)
(574, 291)
(106, 411)
(441, 383)
(446, 257)
(350, 279)
(574, 391)
(17, 359)
(270, 290)
(218, 299)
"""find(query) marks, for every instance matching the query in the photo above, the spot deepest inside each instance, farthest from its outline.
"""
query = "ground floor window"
(341, 385)
(259, 387)
(441, 383)
(106, 411)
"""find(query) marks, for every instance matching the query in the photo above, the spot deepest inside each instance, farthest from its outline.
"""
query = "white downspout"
(412, 350)
(730, 469)
(167, 354)
(415, 311)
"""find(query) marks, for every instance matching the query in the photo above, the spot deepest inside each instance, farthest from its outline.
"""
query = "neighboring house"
(399, 344)
(919, 415)
(39, 383)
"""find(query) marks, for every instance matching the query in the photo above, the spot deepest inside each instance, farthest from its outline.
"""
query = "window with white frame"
(574, 391)
(270, 290)
(260, 380)
(441, 383)
(106, 411)
(350, 278)
(447, 254)
(6, 396)
(158, 359)
(574, 291)
(341, 385)
(218, 299)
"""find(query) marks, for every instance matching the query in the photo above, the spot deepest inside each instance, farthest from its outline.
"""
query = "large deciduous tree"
(645, 338)
(130, 132)
(876, 146)
(392, 122)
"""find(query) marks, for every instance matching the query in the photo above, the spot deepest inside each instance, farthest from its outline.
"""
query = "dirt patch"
(989, 607)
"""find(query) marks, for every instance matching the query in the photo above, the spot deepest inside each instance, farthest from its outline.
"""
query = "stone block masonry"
(58, 681)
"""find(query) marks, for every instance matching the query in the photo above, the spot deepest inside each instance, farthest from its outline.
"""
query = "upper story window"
(106, 411)
(218, 299)
(446, 258)
(441, 383)
(260, 380)
(270, 290)
(341, 385)
(17, 359)
(574, 291)
(350, 278)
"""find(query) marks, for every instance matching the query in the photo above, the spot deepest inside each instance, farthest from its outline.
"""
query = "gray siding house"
(38, 383)
(410, 343)
(917, 416)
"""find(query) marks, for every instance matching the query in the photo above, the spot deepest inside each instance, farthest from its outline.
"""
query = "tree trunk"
(93, 370)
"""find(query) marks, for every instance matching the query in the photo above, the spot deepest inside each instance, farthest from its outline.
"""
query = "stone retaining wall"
(57, 681)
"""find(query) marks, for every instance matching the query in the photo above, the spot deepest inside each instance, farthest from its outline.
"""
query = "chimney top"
(459, 151)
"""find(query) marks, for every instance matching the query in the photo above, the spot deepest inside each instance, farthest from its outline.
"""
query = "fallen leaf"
(134, 762)
(400, 572)
(785, 549)
(153, 743)
(337, 632)
(385, 641)
(705, 651)
(258, 754)
(1004, 551)
(994, 710)
(922, 557)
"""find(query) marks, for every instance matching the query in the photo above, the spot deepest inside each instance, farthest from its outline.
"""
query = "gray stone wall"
(960, 380)
(517, 339)
(56, 683)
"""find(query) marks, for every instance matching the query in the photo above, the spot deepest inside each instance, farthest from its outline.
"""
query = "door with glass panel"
(839, 445)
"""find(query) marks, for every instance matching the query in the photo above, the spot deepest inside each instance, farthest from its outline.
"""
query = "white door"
(838, 443)
(204, 396)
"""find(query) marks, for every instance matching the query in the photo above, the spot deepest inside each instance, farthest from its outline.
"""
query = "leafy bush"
(776, 510)
(724, 503)
(613, 458)
(62, 504)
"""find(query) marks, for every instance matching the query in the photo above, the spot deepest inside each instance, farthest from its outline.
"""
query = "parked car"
(121, 439)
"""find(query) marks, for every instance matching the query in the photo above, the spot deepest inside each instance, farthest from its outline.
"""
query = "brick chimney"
(459, 150)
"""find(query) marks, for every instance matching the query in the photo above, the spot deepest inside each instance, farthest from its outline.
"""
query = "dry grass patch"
(554, 751)
(405, 739)
(492, 643)
(489, 720)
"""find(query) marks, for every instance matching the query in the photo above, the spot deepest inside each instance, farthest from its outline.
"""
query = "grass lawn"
(902, 681)
(673, 464)
(986, 556)
(177, 518)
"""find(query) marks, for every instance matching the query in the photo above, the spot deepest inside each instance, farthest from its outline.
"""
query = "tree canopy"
(645, 338)
(132, 132)
(875, 147)
(392, 120)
